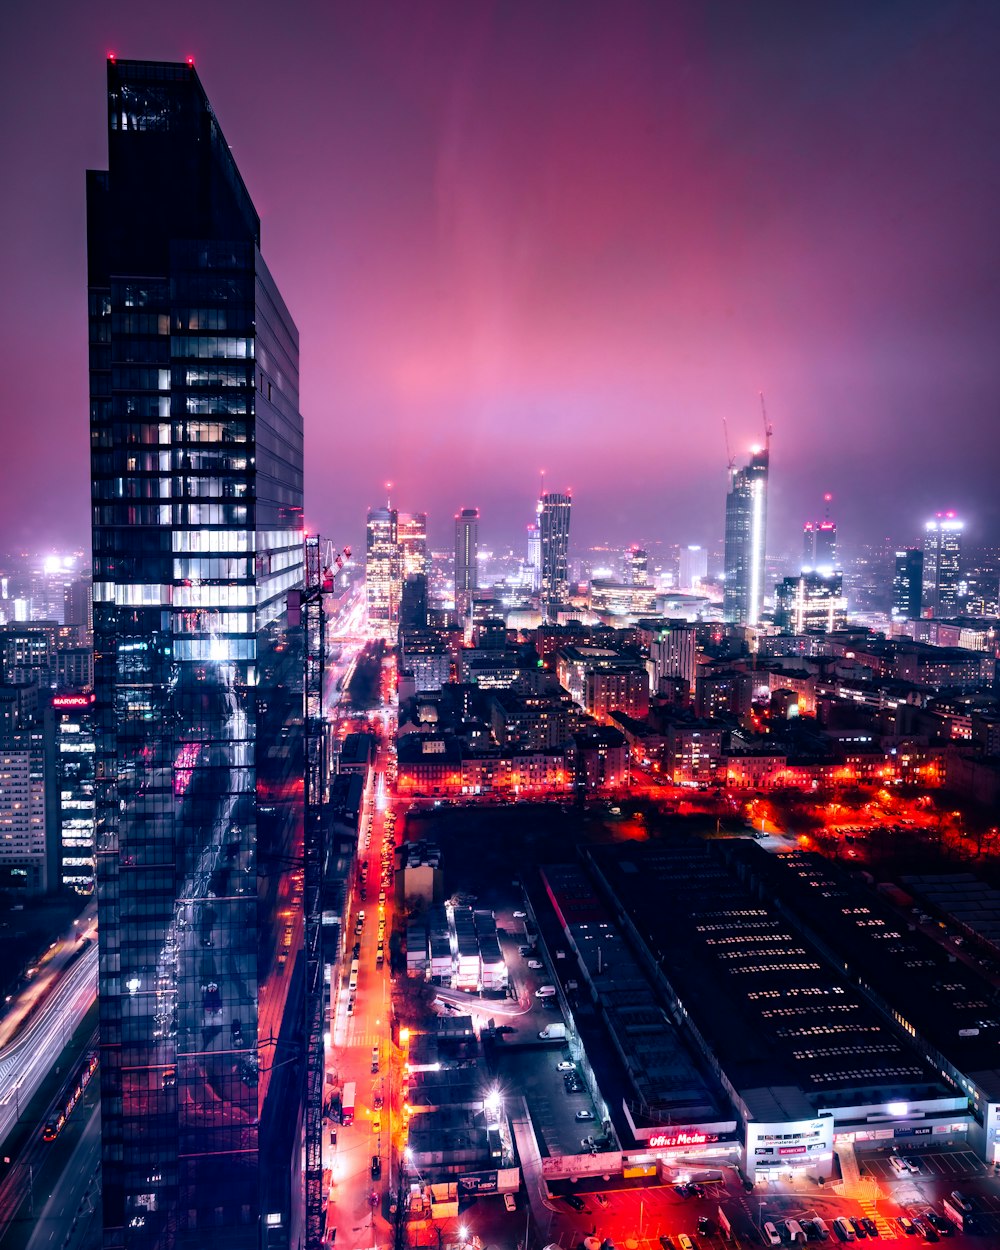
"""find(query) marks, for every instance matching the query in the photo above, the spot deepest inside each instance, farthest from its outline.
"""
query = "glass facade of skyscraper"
(553, 527)
(746, 531)
(197, 460)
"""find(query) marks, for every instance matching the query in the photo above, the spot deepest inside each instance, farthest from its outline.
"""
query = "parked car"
(520, 915)
(565, 1065)
(870, 1227)
(510, 1202)
(535, 965)
(943, 1226)
(771, 1234)
(576, 1203)
(545, 991)
(585, 1115)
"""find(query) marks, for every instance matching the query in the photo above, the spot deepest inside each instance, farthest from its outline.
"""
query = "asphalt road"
(354, 1037)
(27, 1060)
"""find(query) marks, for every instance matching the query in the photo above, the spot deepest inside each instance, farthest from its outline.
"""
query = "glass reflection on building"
(197, 456)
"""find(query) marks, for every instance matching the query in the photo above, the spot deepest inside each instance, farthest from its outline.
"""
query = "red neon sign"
(679, 1139)
(72, 700)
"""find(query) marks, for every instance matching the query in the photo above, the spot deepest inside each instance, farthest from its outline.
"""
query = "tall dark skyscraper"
(819, 546)
(942, 561)
(466, 557)
(197, 458)
(746, 539)
(907, 585)
(553, 527)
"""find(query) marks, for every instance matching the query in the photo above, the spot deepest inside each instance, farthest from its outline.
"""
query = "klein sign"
(681, 1139)
(72, 700)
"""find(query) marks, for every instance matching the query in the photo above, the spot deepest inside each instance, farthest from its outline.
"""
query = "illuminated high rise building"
(466, 558)
(411, 533)
(813, 602)
(553, 528)
(535, 555)
(907, 585)
(196, 467)
(942, 560)
(746, 540)
(383, 574)
(693, 567)
(637, 567)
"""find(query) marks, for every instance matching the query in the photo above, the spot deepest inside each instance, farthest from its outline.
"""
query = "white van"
(843, 1229)
(796, 1233)
(545, 991)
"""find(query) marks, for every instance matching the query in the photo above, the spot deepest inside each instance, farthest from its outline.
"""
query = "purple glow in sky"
(568, 236)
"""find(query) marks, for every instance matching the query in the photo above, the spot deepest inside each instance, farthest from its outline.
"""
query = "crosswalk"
(888, 1230)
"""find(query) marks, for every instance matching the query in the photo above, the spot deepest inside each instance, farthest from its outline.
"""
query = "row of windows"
(167, 515)
(211, 347)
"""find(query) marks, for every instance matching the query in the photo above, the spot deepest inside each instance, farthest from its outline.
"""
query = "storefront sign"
(478, 1183)
(682, 1139)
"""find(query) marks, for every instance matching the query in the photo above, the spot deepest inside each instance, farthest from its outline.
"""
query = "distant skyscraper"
(819, 546)
(907, 585)
(553, 527)
(411, 530)
(637, 567)
(383, 573)
(942, 559)
(693, 567)
(466, 557)
(746, 537)
(196, 465)
(535, 555)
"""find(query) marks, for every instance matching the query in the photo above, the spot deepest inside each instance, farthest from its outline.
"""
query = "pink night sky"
(558, 235)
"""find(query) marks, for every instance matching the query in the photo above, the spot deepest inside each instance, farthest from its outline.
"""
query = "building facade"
(746, 541)
(75, 775)
(411, 532)
(383, 571)
(942, 561)
(466, 558)
(811, 601)
(196, 465)
(907, 585)
(553, 528)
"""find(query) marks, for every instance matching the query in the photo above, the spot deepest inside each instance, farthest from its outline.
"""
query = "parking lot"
(945, 1163)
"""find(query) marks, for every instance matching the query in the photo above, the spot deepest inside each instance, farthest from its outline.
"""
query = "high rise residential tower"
(466, 558)
(942, 560)
(553, 528)
(746, 534)
(196, 466)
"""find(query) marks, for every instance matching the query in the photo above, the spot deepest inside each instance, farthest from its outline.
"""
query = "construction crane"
(333, 564)
(730, 458)
(768, 430)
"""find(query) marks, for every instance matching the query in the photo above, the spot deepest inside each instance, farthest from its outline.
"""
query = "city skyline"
(799, 206)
